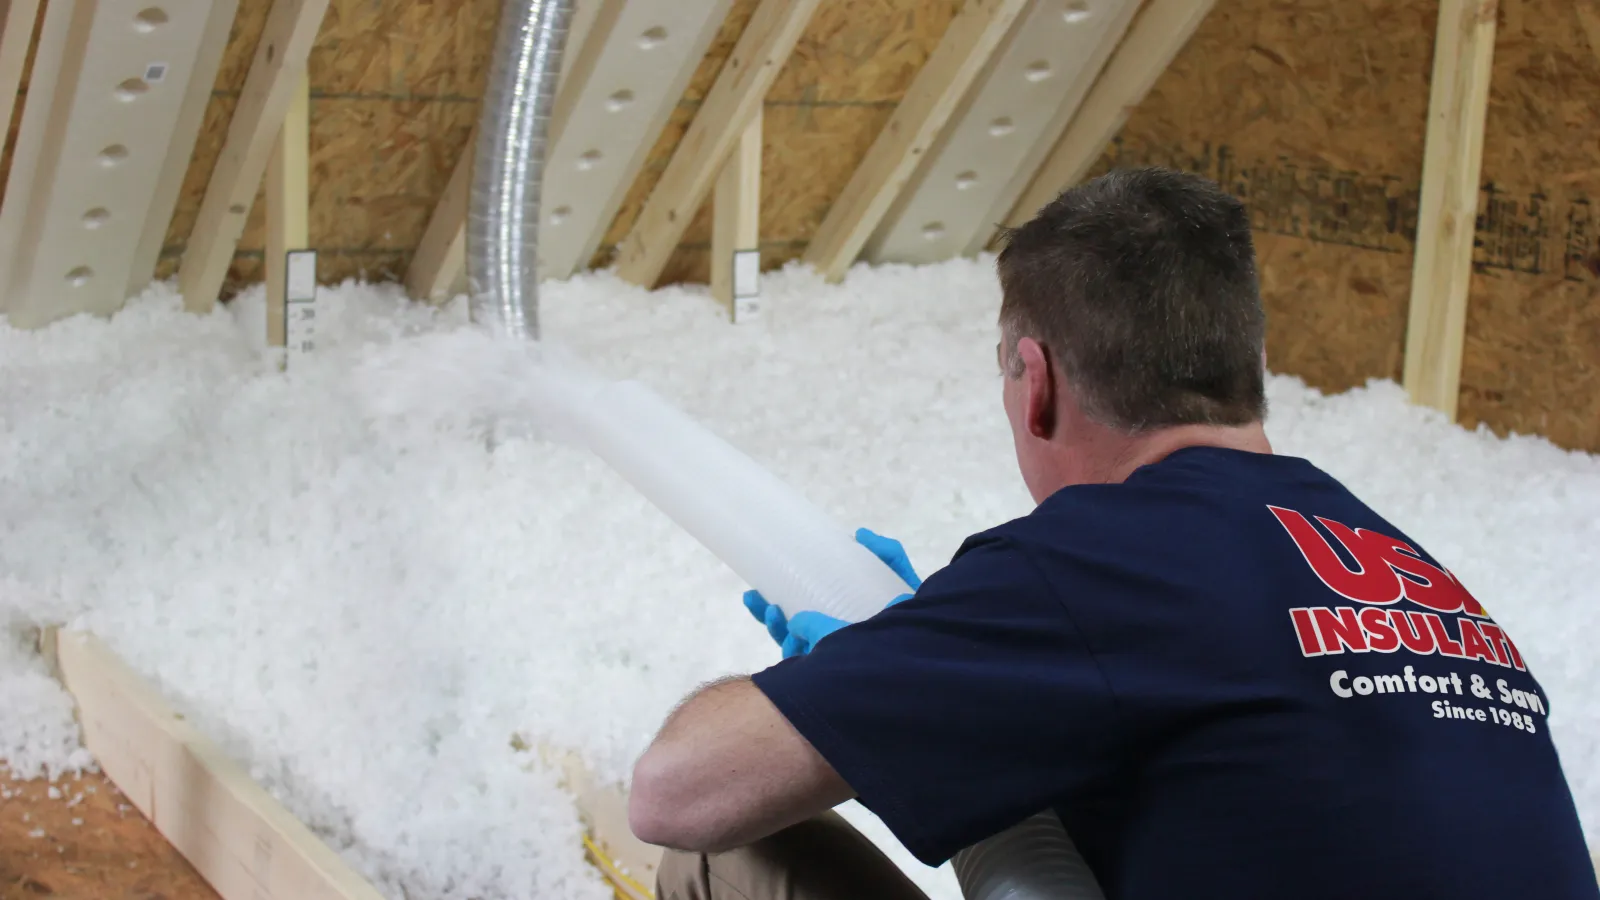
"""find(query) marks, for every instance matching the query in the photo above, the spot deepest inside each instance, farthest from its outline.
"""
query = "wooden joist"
(241, 840)
(928, 104)
(1003, 130)
(1158, 32)
(440, 257)
(1442, 270)
(29, 155)
(17, 34)
(288, 206)
(269, 90)
(736, 213)
(727, 111)
(109, 105)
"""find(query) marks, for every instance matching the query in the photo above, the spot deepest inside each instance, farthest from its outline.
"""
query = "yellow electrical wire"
(620, 881)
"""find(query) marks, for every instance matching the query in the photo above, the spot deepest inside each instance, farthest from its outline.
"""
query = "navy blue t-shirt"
(1229, 677)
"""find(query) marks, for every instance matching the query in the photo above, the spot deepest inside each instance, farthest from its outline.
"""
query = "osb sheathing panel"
(1314, 112)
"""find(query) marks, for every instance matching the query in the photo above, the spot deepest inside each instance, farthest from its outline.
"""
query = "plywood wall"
(1310, 110)
(1313, 111)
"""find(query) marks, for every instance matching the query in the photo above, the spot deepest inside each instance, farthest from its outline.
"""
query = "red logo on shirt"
(1379, 571)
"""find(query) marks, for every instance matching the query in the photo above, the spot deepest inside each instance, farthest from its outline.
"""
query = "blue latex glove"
(797, 635)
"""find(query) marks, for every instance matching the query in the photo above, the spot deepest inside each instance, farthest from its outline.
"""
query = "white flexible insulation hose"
(799, 559)
(763, 529)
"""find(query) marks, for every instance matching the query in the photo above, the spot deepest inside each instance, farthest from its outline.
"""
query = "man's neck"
(1110, 457)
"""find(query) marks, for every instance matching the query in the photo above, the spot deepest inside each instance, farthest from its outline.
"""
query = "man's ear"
(1039, 410)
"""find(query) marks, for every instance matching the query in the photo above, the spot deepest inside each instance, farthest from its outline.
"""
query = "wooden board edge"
(276, 68)
(736, 213)
(241, 840)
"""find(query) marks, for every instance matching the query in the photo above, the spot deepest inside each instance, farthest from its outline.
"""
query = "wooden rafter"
(727, 111)
(269, 88)
(1442, 270)
(1155, 37)
(14, 43)
(15, 37)
(893, 158)
(288, 205)
(441, 254)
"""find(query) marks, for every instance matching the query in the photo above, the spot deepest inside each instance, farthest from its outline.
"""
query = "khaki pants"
(819, 859)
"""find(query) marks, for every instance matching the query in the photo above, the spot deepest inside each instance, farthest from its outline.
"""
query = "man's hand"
(796, 635)
(892, 553)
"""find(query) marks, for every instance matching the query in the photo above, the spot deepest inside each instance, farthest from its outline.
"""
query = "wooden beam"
(1441, 273)
(243, 842)
(442, 253)
(184, 137)
(736, 222)
(917, 122)
(1155, 37)
(440, 258)
(15, 38)
(27, 156)
(727, 111)
(288, 206)
(269, 89)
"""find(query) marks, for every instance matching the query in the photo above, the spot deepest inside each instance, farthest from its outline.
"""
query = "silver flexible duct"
(508, 166)
(1033, 860)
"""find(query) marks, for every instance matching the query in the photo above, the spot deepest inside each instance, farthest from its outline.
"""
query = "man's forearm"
(727, 769)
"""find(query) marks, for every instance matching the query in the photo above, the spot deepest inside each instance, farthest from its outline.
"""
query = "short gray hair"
(1142, 286)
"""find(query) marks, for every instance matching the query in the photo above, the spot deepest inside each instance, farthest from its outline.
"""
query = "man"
(1228, 676)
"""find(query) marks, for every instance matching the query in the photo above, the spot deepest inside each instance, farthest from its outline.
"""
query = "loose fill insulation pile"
(377, 578)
